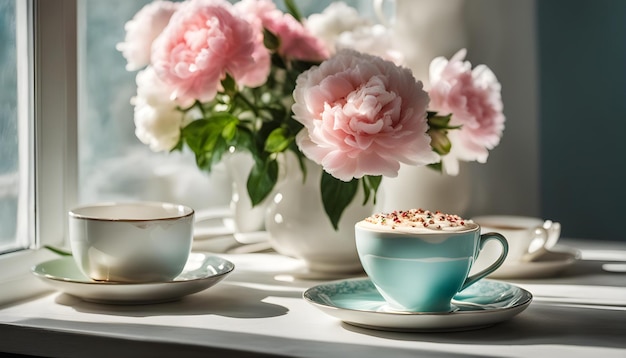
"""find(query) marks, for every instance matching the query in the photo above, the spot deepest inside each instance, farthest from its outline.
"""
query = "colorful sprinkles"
(417, 218)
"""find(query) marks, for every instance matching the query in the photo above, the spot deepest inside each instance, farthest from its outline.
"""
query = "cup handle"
(537, 245)
(545, 237)
(494, 266)
(554, 232)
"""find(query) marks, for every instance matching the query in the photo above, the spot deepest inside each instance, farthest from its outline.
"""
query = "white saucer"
(212, 223)
(548, 264)
(218, 222)
(357, 302)
(201, 272)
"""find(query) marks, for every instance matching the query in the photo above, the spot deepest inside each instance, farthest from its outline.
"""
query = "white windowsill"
(15, 278)
(251, 313)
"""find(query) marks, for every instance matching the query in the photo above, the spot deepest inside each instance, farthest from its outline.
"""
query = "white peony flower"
(157, 119)
(142, 29)
(375, 40)
(334, 20)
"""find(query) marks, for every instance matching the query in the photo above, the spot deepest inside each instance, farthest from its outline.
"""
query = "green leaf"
(58, 251)
(270, 40)
(220, 148)
(229, 131)
(370, 185)
(262, 180)
(336, 196)
(366, 190)
(205, 138)
(277, 141)
(201, 137)
(436, 166)
(244, 140)
(293, 10)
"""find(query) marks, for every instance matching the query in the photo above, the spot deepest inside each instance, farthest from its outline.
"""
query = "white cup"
(131, 242)
(528, 237)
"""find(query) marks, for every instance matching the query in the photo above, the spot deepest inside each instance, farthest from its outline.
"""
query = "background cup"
(131, 242)
(528, 237)
(421, 272)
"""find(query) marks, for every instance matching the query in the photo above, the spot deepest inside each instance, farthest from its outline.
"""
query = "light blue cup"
(421, 272)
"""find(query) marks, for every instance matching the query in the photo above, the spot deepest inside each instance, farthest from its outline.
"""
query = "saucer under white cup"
(531, 246)
(217, 223)
(201, 271)
(550, 264)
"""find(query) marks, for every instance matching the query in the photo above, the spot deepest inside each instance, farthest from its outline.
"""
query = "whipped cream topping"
(418, 220)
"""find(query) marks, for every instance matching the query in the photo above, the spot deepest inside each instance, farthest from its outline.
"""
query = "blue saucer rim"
(522, 303)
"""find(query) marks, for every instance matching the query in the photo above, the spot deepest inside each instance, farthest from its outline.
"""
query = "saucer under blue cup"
(357, 302)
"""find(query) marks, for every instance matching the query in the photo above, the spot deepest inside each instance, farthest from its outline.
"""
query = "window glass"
(9, 150)
(113, 164)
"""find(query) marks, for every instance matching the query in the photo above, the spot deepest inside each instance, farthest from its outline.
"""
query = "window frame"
(47, 112)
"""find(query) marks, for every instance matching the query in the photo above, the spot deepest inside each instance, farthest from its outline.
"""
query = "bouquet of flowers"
(217, 77)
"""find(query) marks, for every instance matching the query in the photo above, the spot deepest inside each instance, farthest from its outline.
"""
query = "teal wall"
(582, 122)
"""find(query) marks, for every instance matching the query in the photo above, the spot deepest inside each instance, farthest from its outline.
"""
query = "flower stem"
(247, 102)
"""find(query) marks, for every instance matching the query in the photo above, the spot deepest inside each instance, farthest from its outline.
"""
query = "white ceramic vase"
(298, 226)
(418, 34)
(422, 187)
(246, 218)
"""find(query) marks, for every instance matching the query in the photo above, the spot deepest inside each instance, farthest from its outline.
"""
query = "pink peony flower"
(296, 41)
(141, 31)
(473, 98)
(362, 115)
(204, 41)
